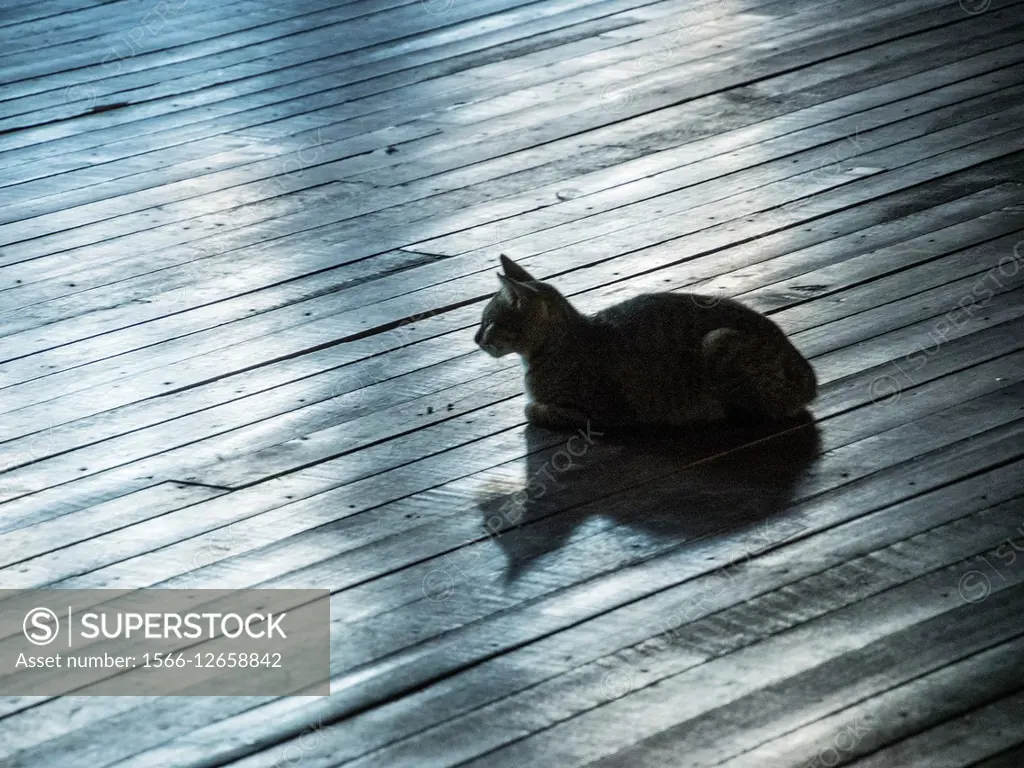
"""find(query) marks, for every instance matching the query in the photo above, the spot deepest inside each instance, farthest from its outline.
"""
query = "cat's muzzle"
(491, 349)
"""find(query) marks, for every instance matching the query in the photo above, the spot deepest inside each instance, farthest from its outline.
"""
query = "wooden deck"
(244, 246)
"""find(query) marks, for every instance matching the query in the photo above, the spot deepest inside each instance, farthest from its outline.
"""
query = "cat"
(658, 359)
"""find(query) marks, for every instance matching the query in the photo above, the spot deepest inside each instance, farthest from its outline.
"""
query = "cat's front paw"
(555, 416)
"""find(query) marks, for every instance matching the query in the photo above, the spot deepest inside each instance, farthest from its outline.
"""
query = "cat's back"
(685, 317)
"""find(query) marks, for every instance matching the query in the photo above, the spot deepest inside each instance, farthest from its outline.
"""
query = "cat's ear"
(520, 294)
(514, 271)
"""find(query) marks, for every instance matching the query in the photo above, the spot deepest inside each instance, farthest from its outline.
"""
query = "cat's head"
(521, 314)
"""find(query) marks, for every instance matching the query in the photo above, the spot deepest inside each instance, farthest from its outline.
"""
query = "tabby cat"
(656, 359)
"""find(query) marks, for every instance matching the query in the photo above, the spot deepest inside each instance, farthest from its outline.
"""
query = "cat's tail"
(754, 374)
(800, 373)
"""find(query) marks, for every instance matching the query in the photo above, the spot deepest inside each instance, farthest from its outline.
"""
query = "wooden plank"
(910, 339)
(376, 603)
(921, 487)
(802, 185)
(190, 255)
(395, 25)
(55, 333)
(362, 566)
(117, 30)
(747, 698)
(294, 520)
(217, 371)
(749, 669)
(57, 535)
(110, 25)
(654, 94)
(177, 45)
(1006, 759)
(330, 438)
(328, 150)
(546, 657)
(332, 383)
(364, 57)
(191, 170)
(18, 17)
(972, 737)
(433, 56)
(530, 621)
(155, 39)
(906, 709)
(51, 259)
(907, 341)
(832, 154)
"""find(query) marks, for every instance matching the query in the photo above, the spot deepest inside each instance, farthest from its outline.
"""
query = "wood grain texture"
(244, 246)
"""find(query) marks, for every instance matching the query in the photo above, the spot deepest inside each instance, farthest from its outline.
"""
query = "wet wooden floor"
(244, 246)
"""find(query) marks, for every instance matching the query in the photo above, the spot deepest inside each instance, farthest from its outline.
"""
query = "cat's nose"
(479, 336)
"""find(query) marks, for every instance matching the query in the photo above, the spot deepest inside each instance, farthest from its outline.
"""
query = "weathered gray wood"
(899, 712)
(328, 330)
(1007, 759)
(284, 67)
(644, 576)
(589, 640)
(832, 159)
(727, 719)
(218, 371)
(982, 733)
(475, 580)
